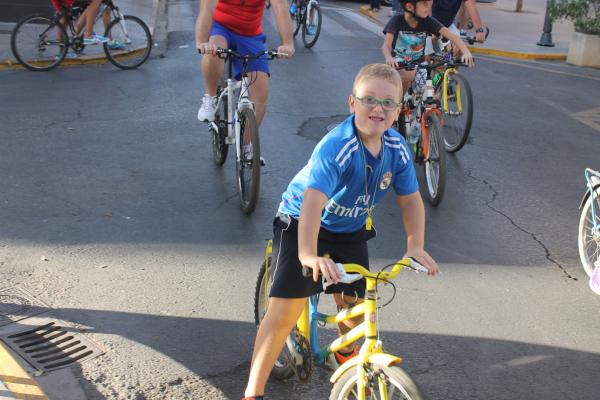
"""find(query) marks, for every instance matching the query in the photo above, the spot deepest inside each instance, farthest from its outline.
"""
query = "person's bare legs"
(407, 78)
(345, 326)
(259, 93)
(282, 314)
(212, 66)
(90, 14)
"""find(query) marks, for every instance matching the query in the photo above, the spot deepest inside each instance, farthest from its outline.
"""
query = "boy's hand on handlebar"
(424, 259)
(285, 51)
(467, 58)
(206, 48)
(323, 265)
(480, 37)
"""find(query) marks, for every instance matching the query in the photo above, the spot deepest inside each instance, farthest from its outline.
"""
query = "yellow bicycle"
(373, 374)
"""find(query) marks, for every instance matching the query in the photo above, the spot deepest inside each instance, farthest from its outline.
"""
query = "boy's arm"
(308, 234)
(467, 57)
(284, 26)
(473, 12)
(386, 49)
(203, 25)
(413, 217)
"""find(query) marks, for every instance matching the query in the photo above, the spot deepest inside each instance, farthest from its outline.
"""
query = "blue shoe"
(115, 45)
(293, 9)
(94, 39)
(311, 30)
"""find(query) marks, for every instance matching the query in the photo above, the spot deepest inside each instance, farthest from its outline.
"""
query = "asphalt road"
(108, 175)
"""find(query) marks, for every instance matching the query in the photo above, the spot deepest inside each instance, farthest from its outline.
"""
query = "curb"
(157, 20)
(490, 52)
(15, 382)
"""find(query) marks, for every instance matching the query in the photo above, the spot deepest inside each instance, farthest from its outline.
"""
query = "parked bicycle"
(373, 374)
(235, 124)
(306, 14)
(40, 43)
(456, 95)
(588, 238)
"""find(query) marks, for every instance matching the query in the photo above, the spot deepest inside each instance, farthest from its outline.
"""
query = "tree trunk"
(519, 7)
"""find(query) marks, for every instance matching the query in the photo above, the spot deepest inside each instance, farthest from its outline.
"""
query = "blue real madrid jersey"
(352, 178)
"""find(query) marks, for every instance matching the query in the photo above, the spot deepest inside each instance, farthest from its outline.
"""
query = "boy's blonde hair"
(378, 71)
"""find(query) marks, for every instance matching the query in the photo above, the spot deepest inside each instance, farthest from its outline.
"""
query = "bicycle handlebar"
(408, 262)
(472, 40)
(270, 54)
(436, 62)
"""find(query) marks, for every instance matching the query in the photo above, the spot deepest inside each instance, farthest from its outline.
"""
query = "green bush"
(585, 14)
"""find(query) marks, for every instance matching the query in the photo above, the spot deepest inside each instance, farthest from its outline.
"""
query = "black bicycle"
(41, 43)
(307, 15)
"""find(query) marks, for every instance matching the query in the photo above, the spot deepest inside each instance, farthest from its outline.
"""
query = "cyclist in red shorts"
(237, 24)
(88, 16)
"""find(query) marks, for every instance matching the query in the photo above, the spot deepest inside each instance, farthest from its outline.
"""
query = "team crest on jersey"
(385, 182)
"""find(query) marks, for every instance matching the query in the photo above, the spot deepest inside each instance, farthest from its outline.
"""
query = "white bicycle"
(235, 124)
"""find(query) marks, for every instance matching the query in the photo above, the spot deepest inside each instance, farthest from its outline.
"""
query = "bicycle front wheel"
(435, 163)
(129, 43)
(390, 383)
(312, 27)
(458, 113)
(282, 368)
(219, 129)
(588, 239)
(248, 164)
(39, 43)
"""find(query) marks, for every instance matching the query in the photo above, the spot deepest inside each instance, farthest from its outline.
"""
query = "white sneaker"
(208, 108)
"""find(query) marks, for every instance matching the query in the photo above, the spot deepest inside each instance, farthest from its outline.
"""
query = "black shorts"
(288, 281)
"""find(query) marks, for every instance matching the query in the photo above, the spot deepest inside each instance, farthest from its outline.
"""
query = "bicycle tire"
(136, 45)
(435, 164)
(402, 385)
(282, 369)
(456, 132)
(298, 19)
(585, 239)
(319, 16)
(27, 27)
(248, 171)
(220, 147)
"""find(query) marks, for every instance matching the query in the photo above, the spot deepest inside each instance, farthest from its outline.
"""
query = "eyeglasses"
(371, 102)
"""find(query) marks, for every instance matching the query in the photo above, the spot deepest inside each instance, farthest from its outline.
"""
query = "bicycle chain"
(302, 347)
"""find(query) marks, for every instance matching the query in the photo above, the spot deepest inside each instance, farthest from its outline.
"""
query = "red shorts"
(58, 4)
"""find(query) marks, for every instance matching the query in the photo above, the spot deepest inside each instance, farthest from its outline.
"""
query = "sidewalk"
(511, 34)
(147, 10)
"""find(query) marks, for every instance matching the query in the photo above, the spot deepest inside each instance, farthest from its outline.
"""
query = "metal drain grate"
(17, 304)
(51, 346)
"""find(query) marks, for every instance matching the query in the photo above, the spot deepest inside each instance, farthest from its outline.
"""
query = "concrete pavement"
(512, 34)
(151, 12)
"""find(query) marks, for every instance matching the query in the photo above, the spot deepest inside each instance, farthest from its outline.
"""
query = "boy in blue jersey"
(327, 208)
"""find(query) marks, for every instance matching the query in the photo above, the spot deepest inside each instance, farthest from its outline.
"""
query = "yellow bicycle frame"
(447, 74)
(371, 352)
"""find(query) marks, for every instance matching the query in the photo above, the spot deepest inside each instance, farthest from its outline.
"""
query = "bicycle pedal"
(262, 162)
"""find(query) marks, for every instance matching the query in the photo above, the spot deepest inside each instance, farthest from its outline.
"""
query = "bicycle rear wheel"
(588, 241)
(282, 368)
(219, 135)
(39, 43)
(459, 117)
(390, 383)
(248, 164)
(298, 18)
(313, 17)
(129, 44)
(435, 163)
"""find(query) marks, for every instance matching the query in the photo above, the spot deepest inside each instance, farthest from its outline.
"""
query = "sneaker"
(293, 9)
(207, 110)
(595, 279)
(94, 39)
(311, 30)
(70, 55)
(114, 45)
(336, 359)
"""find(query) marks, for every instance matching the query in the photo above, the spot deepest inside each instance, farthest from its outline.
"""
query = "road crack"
(489, 205)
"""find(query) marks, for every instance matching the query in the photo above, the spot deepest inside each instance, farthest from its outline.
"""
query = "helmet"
(414, 3)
